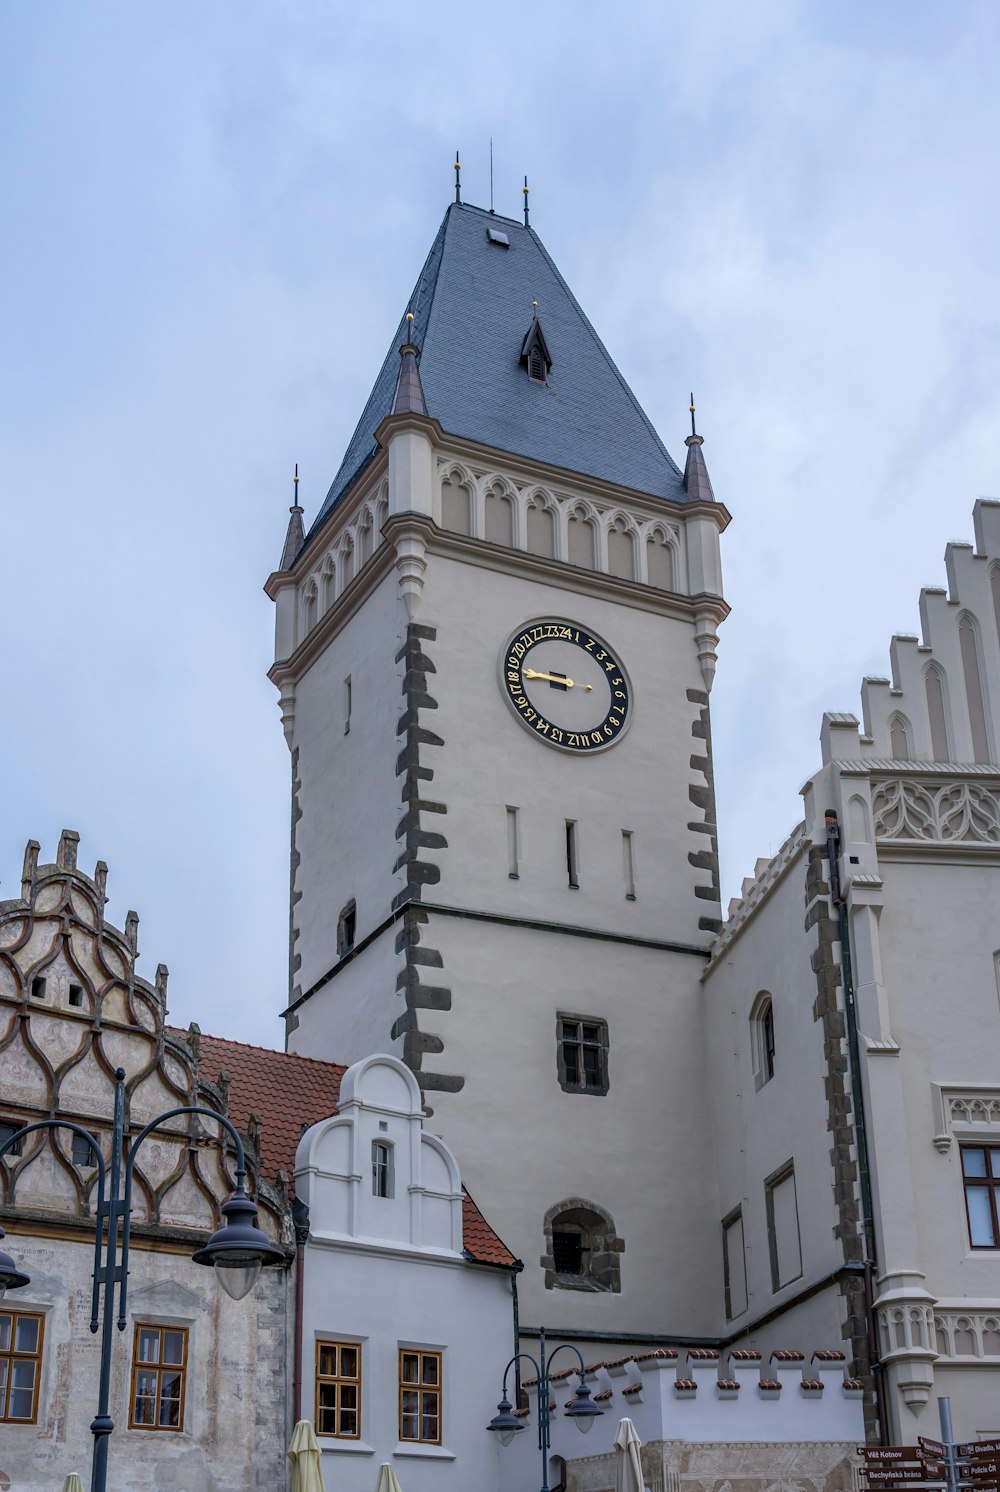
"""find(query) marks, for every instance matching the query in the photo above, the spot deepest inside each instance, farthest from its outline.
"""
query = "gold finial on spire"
(693, 430)
(525, 191)
(295, 491)
(458, 180)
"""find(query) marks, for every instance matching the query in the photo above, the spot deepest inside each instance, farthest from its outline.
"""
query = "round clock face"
(566, 685)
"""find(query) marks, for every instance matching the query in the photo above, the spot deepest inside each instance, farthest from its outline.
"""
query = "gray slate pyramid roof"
(472, 306)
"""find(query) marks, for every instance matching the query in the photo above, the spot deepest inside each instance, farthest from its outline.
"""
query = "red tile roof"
(290, 1093)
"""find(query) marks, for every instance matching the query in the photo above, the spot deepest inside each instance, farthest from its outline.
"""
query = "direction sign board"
(891, 1476)
(935, 1448)
(979, 1448)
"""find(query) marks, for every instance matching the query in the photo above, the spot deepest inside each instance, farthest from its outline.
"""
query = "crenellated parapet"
(73, 1009)
(699, 1396)
(941, 702)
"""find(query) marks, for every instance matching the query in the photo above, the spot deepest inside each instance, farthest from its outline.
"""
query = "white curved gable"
(337, 1177)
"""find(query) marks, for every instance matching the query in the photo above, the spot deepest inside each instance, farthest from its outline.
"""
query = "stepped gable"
(289, 1093)
(474, 302)
(942, 701)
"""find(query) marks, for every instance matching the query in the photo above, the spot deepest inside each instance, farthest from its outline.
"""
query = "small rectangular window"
(513, 847)
(381, 1168)
(981, 1176)
(338, 1389)
(572, 865)
(582, 1057)
(783, 1227)
(420, 1396)
(83, 1155)
(567, 1251)
(7, 1129)
(159, 1372)
(734, 1264)
(76, 995)
(21, 1335)
(348, 699)
(38, 988)
(628, 857)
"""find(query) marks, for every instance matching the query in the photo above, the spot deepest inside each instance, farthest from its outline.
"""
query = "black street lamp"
(581, 1408)
(236, 1251)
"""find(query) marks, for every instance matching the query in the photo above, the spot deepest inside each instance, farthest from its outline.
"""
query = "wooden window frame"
(437, 1389)
(158, 1367)
(11, 1356)
(384, 1171)
(566, 1079)
(991, 1183)
(338, 1379)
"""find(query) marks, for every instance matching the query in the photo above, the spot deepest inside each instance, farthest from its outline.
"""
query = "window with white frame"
(381, 1168)
(762, 1038)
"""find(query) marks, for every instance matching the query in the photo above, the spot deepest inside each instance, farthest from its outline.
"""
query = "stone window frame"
(565, 1082)
(603, 1251)
(158, 1367)
(771, 1183)
(762, 1042)
(989, 1183)
(731, 1218)
(347, 928)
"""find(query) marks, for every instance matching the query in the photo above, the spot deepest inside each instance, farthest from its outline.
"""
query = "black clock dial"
(566, 685)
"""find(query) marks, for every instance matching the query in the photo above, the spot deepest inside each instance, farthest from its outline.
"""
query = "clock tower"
(494, 651)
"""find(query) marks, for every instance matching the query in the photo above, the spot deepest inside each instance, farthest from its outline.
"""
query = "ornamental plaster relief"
(966, 1336)
(965, 1112)
(946, 813)
(675, 1466)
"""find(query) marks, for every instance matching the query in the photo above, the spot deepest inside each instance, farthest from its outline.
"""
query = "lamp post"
(581, 1409)
(236, 1251)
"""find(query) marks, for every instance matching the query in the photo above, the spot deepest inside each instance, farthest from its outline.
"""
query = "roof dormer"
(535, 353)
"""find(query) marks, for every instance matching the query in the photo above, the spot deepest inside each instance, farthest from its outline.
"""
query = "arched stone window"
(499, 518)
(968, 641)
(621, 551)
(309, 607)
(456, 507)
(541, 530)
(580, 547)
(329, 590)
(762, 1038)
(582, 1249)
(659, 563)
(936, 713)
(899, 739)
(365, 542)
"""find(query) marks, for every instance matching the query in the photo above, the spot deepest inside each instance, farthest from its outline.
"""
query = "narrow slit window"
(347, 926)
(381, 1168)
(628, 856)
(8, 1128)
(513, 846)
(348, 692)
(572, 858)
(76, 996)
(38, 988)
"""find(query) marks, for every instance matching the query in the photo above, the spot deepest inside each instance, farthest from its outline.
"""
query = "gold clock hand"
(533, 673)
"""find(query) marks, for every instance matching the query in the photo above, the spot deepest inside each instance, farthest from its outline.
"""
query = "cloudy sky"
(214, 213)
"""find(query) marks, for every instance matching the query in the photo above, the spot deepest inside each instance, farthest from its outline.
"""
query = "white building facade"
(404, 1333)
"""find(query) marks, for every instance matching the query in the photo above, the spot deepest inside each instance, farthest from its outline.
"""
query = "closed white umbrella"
(72, 1483)
(304, 1456)
(628, 1464)
(387, 1481)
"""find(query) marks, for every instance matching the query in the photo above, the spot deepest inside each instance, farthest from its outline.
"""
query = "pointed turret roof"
(409, 397)
(295, 534)
(484, 281)
(697, 483)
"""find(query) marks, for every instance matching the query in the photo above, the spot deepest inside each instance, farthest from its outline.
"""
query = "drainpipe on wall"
(300, 1221)
(839, 900)
(515, 1270)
